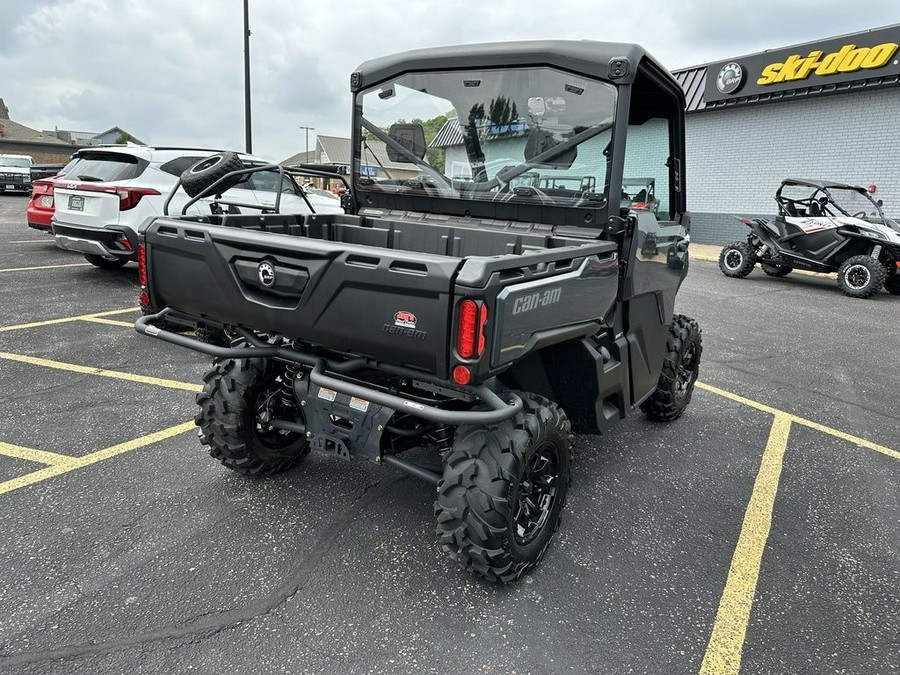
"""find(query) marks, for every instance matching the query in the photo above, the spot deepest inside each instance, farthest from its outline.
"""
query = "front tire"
(681, 368)
(737, 259)
(861, 276)
(104, 263)
(238, 399)
(503, 490)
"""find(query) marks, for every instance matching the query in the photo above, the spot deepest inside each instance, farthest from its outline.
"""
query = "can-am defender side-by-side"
(460, 330)
(822, 226)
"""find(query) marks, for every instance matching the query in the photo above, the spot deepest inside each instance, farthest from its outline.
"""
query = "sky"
(171, 71)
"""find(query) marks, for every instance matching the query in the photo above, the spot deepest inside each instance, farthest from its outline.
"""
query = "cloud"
(171, 71)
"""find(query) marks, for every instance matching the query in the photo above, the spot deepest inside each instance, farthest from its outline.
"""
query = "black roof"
(587, 57)
(821, 184)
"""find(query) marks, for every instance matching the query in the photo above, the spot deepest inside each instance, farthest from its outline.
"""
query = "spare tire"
(198, 178)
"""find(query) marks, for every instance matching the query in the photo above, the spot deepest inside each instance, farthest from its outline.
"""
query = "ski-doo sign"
(874, 53)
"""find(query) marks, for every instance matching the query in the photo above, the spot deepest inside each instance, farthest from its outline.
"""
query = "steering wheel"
(861, 214)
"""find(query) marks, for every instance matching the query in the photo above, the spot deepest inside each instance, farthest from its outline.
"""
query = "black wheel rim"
(538, 488)
(858, 277)
(733, 259)
(687, 372)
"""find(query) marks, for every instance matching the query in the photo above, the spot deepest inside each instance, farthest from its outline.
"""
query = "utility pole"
(247, 131)
(306, 155)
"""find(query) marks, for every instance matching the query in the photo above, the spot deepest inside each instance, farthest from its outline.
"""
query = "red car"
(40, 206)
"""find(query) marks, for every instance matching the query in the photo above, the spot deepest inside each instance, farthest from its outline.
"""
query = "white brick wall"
(737, 157)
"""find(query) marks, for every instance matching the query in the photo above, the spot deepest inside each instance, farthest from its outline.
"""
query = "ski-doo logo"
(730, 78)
(848, 59)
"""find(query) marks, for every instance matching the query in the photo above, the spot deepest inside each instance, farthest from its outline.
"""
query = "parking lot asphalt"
(761, 531)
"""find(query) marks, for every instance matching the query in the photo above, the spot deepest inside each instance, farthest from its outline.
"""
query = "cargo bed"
(382, 287)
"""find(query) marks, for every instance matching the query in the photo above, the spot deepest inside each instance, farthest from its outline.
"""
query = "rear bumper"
(105, 242)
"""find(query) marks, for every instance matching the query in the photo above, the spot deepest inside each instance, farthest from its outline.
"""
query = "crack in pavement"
(198, 629)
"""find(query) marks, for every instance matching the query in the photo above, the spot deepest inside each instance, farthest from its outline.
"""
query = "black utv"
(460, 330)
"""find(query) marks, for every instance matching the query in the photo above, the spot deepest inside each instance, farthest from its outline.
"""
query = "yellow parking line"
(102, 372)
(108, 322)
(800, 420)
(44, 267)
(33, 455)
(67, 319)
(848, 437)
(93, 458)
(723, 653)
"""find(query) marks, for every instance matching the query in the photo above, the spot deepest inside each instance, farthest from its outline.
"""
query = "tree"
(125, 137)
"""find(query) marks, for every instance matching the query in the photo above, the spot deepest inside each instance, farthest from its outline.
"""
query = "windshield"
(855, 203)
(104, 166)
(21, 162)
(534, 135)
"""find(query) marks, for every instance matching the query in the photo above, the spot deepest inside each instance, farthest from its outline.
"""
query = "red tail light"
(462, 375)
(129, 197)
(482, 319)
(465, 331)
(470, 329)
(142, 265)
(40, 188)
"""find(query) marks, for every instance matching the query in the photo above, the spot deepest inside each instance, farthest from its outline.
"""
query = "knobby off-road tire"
(737, 259)
(104, 263)
(681, 367)
(238, 397)
(861, 276)
(503, 490)
(774, 270)
(207, 171)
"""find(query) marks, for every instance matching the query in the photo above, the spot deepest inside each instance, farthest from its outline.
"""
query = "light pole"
(306, 154)
(247, 132)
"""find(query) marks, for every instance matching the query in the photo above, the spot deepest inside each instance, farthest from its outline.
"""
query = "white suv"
(107, 192)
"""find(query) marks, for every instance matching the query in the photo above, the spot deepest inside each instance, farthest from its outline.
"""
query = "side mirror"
(411, 137)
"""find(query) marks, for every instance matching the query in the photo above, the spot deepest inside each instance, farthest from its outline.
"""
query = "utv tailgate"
(386, 304)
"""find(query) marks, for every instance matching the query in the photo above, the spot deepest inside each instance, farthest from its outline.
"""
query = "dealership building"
(828, 109)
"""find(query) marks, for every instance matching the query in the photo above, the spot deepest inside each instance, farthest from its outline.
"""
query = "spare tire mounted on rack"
(198, 178)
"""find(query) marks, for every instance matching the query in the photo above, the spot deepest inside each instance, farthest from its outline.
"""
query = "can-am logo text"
(730, 78)
(848, 59)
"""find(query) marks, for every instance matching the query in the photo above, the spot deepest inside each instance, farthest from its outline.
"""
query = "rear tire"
(503, 490)
(680, 370)
(861, 276)
(737, 259)
(776, 270)
(238, 397)
(104, 263)
(196, 179)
